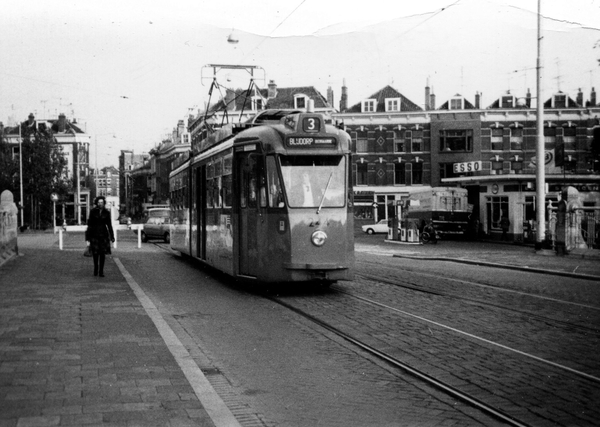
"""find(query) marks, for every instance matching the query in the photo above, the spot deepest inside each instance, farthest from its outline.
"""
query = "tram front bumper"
(309, 266)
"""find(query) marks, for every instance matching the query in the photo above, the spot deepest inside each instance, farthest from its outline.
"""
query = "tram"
(268, 200)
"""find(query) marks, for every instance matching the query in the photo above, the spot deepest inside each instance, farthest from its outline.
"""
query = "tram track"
(481, 388)
(530, 315)
(486, 398)
(446, 388)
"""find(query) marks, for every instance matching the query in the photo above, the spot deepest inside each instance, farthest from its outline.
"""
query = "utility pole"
(21, 175)
(540, 152)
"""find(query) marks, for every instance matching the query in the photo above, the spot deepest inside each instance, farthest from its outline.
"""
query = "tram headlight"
(318, 238)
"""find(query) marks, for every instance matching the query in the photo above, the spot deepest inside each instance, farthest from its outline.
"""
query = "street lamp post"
(21, 175)
(540, 155)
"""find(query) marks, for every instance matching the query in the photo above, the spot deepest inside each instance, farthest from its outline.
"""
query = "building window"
(497, 139)
(497, 207)
(456, 140)
(300, 101)
(560, 101)
(549, 138)
(399, 142)
(368, 106)
(516, 139)
(447, 171)
(400, 173)
(257, 104)
(416, 140)
(362, 144)
(456, 103)
(417, 173)
(508, 101)
(15, 153)
(497, 166)
(569, 138)
(361, 174)
(392, 104)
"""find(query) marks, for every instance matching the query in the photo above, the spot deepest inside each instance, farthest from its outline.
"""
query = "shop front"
(507, 203)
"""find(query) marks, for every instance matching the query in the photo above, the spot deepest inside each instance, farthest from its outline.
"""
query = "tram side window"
(217, 192)
(227, 182)
(209, 193)
(227, 196)
(210, 173)
(276, 199)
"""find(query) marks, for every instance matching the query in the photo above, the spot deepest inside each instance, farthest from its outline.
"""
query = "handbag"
(87, 252)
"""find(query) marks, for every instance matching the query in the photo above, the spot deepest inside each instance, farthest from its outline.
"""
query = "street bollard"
(60, 238)
(139, 238)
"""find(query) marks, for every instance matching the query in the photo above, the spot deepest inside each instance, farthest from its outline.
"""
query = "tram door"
(201, 211)
(248, 170)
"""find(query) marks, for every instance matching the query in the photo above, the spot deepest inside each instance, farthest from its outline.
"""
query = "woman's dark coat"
(99, 231)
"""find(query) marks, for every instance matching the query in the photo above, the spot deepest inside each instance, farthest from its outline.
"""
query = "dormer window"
(257, 103)
(507, 101)
(456, 103)
(300, 101)
(369, 106)
(392, 104)
(559, 101)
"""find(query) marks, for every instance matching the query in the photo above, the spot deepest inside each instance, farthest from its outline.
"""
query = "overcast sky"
(133, 68)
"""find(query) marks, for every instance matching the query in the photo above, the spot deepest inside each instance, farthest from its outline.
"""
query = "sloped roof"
(381, 95)
(14, 130)
(467, 104)
(284, 99)
(570, 102)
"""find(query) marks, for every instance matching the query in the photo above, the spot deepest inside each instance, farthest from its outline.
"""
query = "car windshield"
(314, 181)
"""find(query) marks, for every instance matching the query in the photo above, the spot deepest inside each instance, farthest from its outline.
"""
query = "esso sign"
(467, 167)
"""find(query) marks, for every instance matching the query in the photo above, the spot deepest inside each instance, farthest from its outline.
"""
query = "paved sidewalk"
(504, 255)
(81, 350)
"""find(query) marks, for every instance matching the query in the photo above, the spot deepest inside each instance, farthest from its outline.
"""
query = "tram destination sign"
(310, 141)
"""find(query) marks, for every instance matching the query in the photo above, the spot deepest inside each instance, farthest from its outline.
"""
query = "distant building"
(128, 162)
(107, 182)
(490, 151)
(75, 144)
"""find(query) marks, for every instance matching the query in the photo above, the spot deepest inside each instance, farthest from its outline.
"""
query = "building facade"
(75, 144)
(490, 151)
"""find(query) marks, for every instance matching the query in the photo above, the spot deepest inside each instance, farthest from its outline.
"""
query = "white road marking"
(212, 403)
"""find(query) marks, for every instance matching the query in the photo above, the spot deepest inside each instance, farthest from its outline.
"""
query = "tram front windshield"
(314, 181)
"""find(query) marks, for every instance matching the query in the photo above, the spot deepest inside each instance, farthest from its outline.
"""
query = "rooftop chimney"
(593, 97)
(478, 100)
(230, 100)
(272, 93)
(344, 98)
(330, 96)
(580, 97)
(528, 99)
(62, 122)
(432, 101)
(427, 96)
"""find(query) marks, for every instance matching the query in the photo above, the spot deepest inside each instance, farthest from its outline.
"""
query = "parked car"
(124, 219)
(156, 227)
(380, 227)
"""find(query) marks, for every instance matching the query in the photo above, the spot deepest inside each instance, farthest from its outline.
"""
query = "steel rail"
(452, 391)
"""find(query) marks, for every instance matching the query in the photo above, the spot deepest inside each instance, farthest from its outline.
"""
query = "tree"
(9, 168)
(44, 173)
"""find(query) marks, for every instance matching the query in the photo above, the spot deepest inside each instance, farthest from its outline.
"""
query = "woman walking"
(99, 234)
